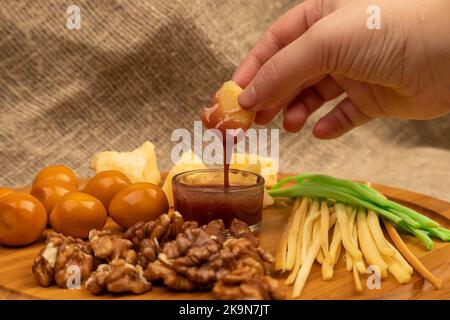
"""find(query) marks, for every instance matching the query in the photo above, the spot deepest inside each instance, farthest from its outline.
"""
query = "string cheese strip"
(348, 256)
(298, 261)
(292, 276)
(335, 246)
(346, 236)
(280, 255)
(351, 212)
(377, 233)
(327, 270)
(327, 265)
(357, 280)
(306, 266)
(399, 258)
(293, 234)
(397, 270)
(324, 227)
(410, 257)
(367, 244)
(359, 264)
(320, 256)
(307, 228)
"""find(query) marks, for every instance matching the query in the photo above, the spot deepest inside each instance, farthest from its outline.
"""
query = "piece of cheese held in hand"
(226, 113)
(139, 165)
(265, 166)
(188, 161)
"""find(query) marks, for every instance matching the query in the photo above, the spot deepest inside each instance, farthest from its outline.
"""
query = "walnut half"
(56, 260)
(118, 276)
(111, 247)
(251, 278)
(44, 265)
(157, 271)
(148, 237)
(70, 256)
(240, 286)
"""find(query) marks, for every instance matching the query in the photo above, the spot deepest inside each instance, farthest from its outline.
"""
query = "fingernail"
(248, 98)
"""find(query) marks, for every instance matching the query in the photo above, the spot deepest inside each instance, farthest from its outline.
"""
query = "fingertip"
(325, 129)
(294, 118)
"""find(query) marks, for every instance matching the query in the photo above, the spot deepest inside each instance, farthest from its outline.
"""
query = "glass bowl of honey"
(202, 195)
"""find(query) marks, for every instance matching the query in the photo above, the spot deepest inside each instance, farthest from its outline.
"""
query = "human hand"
(323, 48)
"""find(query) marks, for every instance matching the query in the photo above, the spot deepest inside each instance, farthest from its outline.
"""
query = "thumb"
(297, 66)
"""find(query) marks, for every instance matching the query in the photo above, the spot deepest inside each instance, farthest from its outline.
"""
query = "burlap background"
(138, 69)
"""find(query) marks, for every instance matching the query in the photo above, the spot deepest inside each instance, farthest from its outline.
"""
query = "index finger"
(285, 30)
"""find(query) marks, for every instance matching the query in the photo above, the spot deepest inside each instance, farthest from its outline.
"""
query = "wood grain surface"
(17, 280)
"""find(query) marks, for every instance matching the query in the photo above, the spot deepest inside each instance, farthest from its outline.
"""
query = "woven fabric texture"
(136, 70)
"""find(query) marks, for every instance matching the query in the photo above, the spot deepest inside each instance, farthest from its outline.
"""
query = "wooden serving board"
(17, 281)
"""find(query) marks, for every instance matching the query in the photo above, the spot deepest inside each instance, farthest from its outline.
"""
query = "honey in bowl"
(200, 195)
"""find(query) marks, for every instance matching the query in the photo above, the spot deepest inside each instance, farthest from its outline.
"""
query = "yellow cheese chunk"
(139, 165)
(265, 166)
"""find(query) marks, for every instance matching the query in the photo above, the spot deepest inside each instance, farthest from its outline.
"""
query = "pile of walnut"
(180, 255)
